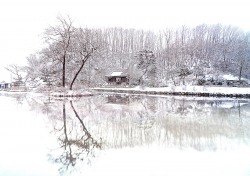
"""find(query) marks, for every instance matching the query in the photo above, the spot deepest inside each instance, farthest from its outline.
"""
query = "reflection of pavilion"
(118, 99)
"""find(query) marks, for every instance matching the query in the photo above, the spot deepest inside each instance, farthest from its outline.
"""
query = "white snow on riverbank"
(185, 89)
(212, 90)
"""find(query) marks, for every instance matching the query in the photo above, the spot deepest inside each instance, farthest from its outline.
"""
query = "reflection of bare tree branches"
(19, 97)
(88, 143)
(45, 105)
(179, 122)
(66, 158)
(75, 147)
(146, 117)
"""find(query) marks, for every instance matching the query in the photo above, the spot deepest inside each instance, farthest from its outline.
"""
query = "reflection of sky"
(168, 146)
(24, 138)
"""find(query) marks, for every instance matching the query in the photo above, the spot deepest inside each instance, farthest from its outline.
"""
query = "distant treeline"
(73, 55)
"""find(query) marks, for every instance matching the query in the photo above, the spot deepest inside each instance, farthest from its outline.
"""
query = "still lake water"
(115, 134)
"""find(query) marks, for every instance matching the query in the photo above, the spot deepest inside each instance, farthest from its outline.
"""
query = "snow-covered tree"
(18, 72)
(85, 44)
(146, 64)
(59, 40)
(84, 56)
(242, 57)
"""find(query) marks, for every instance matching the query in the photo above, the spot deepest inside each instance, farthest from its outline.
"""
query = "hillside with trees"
(75, 57)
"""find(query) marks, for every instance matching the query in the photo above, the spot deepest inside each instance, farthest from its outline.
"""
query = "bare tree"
(59, 39)
(16, 71)
(85, 44)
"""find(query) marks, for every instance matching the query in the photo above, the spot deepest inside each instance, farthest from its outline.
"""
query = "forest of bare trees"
(74, 56)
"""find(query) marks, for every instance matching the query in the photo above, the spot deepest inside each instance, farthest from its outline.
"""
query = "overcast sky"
(22, 22)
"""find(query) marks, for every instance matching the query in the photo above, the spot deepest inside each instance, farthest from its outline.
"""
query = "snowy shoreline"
(200, 91)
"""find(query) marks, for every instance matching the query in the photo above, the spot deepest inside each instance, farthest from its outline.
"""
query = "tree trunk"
(240, 74)
(64, 70)
(77, 73)
(84, 60)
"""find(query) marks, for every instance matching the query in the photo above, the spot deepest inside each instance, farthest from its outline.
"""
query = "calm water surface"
(124, 135)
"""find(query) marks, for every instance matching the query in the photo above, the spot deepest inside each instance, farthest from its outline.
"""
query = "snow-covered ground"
(206, 90)
(189, 89)
(184, 90)
(172, 90)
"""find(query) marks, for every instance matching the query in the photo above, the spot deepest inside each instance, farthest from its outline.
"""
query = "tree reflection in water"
(77, 145)
(120, 121)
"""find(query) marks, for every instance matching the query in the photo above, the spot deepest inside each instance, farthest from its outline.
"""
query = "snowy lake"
(116, 134)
